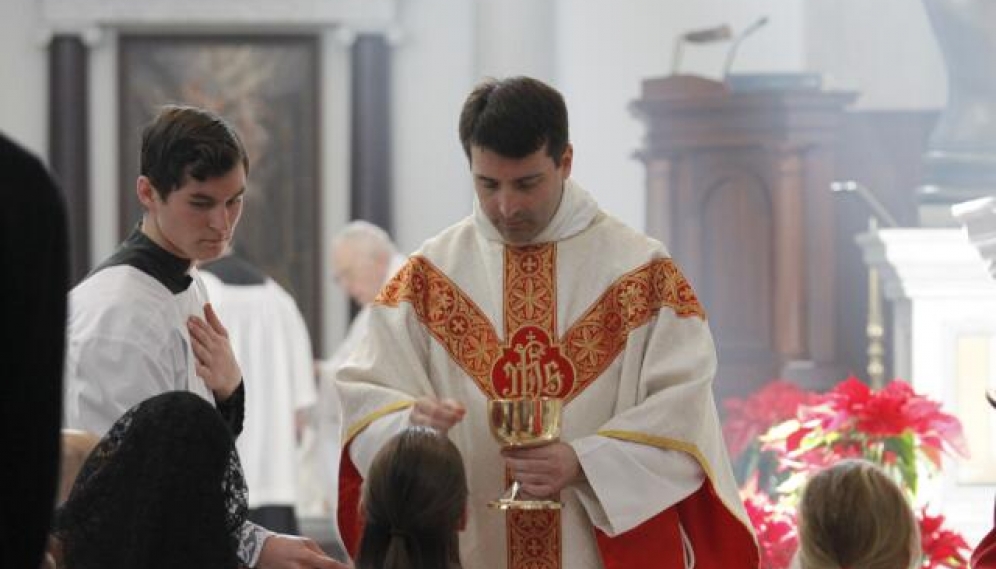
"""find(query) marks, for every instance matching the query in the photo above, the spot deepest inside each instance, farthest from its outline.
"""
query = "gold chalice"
(524, 423)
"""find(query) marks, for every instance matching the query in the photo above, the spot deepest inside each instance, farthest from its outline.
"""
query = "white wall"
(596, 51)
(893, 62)
(23, 75)
(515, 37)
(432, 72)
(446, 48)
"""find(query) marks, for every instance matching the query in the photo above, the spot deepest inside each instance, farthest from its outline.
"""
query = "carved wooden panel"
(736, 209)
(738, 190)
(728, 253)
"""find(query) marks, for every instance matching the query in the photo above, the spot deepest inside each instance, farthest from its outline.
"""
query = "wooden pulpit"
(738, 191)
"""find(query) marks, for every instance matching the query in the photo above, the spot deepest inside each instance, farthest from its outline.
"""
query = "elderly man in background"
(363, 259)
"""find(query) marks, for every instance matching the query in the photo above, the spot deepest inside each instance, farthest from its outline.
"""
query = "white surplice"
(127, 340)
(271, 343)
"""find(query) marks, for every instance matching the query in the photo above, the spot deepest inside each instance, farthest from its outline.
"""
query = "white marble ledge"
(926, 262)
(979, 218)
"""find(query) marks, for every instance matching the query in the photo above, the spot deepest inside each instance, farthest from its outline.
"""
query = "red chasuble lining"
(349, 516)
(984, 556)
(718, 539)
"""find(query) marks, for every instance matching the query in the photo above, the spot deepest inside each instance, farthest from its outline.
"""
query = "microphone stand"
(760, 23)
(873, 203)
(875, 324)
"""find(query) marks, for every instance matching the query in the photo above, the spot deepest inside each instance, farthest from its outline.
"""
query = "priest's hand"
(440, 414)
(292, 552)
(215, 363)
(545, 470)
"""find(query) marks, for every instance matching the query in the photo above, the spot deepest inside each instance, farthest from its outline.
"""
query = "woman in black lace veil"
(163, 489)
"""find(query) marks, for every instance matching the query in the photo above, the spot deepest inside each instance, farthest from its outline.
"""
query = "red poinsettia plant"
(782, 434)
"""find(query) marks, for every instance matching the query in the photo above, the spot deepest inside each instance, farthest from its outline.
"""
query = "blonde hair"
(853, 516)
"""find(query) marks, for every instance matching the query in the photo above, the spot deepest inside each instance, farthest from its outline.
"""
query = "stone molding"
(67, 16)
(926, 262)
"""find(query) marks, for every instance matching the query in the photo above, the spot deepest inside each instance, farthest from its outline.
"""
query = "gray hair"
(365, 236)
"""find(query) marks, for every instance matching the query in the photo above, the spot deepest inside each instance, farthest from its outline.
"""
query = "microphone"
(758, 24)
(707, 35)
(867, 196)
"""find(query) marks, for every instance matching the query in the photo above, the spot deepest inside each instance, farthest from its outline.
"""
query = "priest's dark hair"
(162, 489)
(185, 142)
(414, 504)
(515, 117)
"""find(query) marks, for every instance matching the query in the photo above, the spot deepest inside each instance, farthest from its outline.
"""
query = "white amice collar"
(576, 212)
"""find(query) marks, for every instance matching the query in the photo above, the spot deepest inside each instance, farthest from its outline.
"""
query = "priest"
(540, 293)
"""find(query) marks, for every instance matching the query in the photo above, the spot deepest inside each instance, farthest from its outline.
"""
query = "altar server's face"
(197, 220)
(519, 195)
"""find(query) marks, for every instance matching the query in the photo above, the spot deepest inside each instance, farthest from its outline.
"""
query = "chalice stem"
(512, 492)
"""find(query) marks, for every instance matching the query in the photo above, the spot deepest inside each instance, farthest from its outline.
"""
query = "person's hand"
(545, 470)
(302, 420)
(48, 562)
(215, 363)
(54, 554)
(440, 414)
(292, 552)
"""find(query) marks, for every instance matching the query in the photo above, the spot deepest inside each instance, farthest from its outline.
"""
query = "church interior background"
(718, 126)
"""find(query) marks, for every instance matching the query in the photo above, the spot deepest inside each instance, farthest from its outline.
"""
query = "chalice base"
(510, 504)
(510, 501)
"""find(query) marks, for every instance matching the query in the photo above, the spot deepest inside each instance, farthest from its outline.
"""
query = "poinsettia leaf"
(902, 446)
(932, 455)
(906, 452)
(781, 431)
(793, 484)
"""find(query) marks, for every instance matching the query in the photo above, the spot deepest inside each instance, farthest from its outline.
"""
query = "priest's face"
(519, 195)
(197, 220)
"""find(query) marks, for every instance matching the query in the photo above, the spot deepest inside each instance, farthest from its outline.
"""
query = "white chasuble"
(594, 313)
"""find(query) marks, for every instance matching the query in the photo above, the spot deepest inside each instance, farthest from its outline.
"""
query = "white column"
(334, 158)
